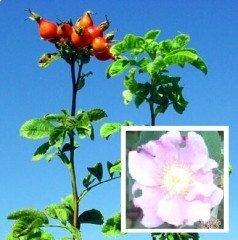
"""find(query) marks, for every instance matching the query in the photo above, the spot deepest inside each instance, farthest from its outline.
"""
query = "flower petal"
(148, 203)
(143, 168)
(195, 153)
(178, 211)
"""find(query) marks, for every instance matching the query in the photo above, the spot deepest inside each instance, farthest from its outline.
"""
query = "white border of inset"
(225, 129)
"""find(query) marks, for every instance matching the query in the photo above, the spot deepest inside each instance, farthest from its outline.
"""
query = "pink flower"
(175, 178)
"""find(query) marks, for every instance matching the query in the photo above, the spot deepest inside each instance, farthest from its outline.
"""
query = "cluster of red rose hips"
(84, 34)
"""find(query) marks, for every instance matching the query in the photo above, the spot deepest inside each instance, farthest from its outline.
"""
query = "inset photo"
(174, 179)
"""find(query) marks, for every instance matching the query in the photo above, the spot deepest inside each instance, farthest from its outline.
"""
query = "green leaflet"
(92, 216)
(230, 169)
(130, 42)
(127, 94)
(87, 181)
(75, 232)
(180, 57)
(152, 35)
(96, 114)
(200, 64)
(180, 41)
(213, 143)
(116, 167)
(97, 171)
(47, 58)
(29, 212)
(36, 129)
(42, 151)
(112, 227)
(26, 221)
(118, 66)
(107, 129)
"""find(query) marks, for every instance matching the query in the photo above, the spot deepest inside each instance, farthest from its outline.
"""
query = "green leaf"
(130, 81)
(96, 114)
(112, 227)
(200, 64)
(67, 147)
(87, 181)
(164, 47)
(24, 225)
(118, 66)
(40, 235)
(41, 151)
(36, 129)
(213, 142)
(92, 216)
(116, 167)
(86, 130)
(75, 232)
(180, 41)
(127, 94)
(230, 169)
(57, 134)
(11, 237)
(108, 129)
(152, 35)
(60, 212)
(47, 58)
(109, 165)
(130, 42)
(54, 117)
(97, 171)
(68, 201)
(146, 136)
(28, 212)
(50, 156)
(157, 65)
(180, 57)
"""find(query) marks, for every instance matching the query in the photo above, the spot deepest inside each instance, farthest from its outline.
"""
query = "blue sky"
(27, 92)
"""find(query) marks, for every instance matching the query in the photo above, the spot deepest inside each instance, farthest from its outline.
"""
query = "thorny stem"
(71, 137)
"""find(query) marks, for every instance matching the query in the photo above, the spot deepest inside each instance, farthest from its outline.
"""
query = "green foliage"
(36, 129)
(47, 58)
(92, 216)
(176, 236)
(41, 151)
(35, 234)
(112, 227)
(136, 139)
(154, 58)
(87, 181)
(97, 171)
(107, 129)
(27, 220)
(116, 167)
(230, 168)
(213, 143)
(57, 127)
(60, 212)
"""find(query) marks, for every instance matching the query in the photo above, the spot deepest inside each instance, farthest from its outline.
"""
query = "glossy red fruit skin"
(47, 29)
(95, 31)
(99, 44)
(64, 30)
(85, 21)
(81, 40)
(104, 56)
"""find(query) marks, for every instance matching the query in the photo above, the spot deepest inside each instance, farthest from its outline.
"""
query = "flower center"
(176, 179)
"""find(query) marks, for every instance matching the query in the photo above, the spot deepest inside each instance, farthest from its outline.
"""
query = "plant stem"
(95, 185)
(152, 115)
(71, 138)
